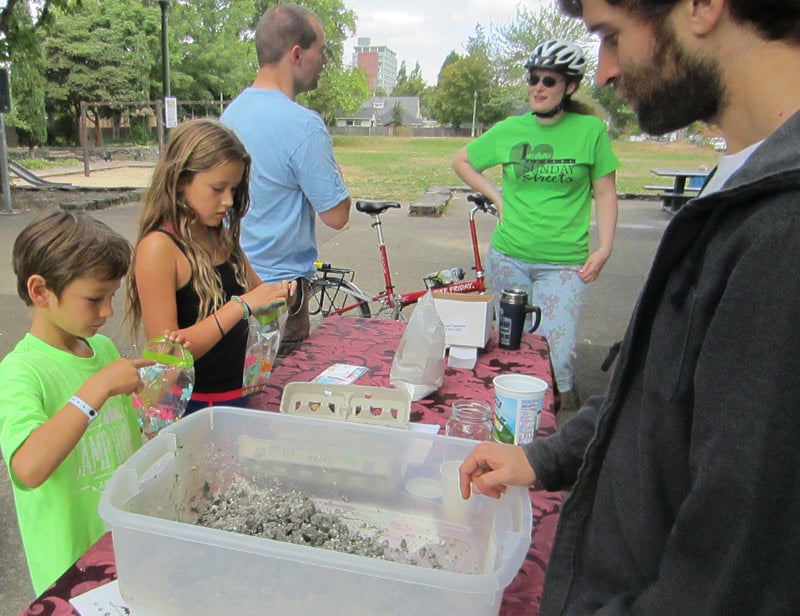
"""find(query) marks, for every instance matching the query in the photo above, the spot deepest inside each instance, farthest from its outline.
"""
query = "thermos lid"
(514, 296)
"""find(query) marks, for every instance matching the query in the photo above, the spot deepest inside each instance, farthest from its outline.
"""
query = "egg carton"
(380, 406)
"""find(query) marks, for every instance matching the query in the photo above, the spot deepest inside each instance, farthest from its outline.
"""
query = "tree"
(212, 51)
(409, 85)
(517, 40)
(621, 116)
(101, 52)
(397, 114)
(459, 84)
(44, 14)
(339, 90)
(449, 59)
(27, 81)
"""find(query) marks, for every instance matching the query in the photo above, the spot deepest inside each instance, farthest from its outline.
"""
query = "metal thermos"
(513, 310)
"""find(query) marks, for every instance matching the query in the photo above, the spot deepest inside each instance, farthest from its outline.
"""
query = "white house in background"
(379, 111)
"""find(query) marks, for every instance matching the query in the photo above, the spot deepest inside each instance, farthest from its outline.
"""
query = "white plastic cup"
(454, 508)
(518, 401)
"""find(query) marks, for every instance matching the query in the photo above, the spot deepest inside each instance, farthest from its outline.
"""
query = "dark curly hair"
(774, 20)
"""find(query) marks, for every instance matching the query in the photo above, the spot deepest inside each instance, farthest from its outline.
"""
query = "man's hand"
(492, 467)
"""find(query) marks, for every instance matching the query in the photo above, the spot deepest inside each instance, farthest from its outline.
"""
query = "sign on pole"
(170, 111)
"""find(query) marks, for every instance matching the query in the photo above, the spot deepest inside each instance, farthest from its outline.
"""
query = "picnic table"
(686, 184)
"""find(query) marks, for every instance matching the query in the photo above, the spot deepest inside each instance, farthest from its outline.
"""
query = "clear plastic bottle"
(470, 419)
(443, 277)
(168, 385)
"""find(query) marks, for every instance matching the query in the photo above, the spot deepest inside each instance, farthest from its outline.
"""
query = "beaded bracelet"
(84, 407)
(243, 304)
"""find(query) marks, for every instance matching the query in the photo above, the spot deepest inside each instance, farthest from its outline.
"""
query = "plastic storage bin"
(167, 565)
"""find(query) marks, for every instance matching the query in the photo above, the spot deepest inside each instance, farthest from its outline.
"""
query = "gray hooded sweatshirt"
(685, 477)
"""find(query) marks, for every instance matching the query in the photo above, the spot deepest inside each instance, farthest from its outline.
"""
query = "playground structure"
(34, 180)
(151, 109)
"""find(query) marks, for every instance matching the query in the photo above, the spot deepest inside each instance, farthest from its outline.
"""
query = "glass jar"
(470, 419)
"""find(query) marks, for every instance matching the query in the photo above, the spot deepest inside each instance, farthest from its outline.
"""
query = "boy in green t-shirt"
(66, 421)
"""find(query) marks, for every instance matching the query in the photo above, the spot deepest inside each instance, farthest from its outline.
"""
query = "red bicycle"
(334, 292)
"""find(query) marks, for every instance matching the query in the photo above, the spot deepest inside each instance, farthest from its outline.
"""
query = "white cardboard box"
(467, 318)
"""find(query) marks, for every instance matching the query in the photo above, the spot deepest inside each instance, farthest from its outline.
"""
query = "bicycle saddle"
(368, 206)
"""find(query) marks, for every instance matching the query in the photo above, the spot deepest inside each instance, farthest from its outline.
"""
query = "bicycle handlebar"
(482, 202)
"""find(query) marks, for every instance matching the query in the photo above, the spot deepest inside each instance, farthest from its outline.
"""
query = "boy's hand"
(121, 377)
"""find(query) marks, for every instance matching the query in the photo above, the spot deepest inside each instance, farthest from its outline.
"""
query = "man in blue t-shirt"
(294, 176)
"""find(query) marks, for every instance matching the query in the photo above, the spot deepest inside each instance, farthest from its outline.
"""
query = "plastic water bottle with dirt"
(168, 385)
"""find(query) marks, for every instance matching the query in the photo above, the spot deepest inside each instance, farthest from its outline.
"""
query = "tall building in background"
(378, 62)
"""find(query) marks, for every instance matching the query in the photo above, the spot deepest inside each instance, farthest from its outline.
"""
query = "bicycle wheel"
(329, 295)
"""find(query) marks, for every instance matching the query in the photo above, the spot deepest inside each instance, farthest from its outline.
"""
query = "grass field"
(404, 168)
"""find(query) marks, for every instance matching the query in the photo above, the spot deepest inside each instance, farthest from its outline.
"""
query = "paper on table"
(104, 600)
(341, 374)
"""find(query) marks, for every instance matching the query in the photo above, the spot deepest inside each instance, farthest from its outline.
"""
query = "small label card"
(340, 374)
(104, 600)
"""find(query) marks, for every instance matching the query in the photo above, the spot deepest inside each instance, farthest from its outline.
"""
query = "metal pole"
(474, 111)
(164, 4)
(7, 209)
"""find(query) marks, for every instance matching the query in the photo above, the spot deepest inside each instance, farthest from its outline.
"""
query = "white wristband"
(84, 408)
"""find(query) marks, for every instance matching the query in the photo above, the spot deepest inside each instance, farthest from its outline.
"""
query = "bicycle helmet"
(558, 55)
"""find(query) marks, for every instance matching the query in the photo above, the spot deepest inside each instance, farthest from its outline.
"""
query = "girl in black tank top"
(190, 277)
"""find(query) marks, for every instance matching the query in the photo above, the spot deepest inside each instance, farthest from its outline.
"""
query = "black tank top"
(220, 369)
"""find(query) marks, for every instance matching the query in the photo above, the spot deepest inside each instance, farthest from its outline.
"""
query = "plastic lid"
(168, 352)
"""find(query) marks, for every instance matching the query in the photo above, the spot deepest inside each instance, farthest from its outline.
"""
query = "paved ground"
(416, 246)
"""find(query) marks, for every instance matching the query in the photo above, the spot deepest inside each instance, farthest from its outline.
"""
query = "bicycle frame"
(396, 302)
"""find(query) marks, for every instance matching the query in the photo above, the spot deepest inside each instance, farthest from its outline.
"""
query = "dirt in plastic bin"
(293, 516)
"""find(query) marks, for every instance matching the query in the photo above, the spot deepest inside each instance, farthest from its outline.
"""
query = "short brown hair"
(281, 28)
(64, 246)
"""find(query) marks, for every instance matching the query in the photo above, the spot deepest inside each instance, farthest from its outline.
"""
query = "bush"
(140, 130)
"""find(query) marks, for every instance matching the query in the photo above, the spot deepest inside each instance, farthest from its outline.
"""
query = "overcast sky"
(426, 30)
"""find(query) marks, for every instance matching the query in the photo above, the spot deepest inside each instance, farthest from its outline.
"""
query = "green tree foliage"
(471, 84)
(397, 114)
(464, 85)
(449, 59)
(213, 55)
(340, 89)
(409, 85)
(101, 52)
(43, 10)
(27, 81)
(212, 49)
(518, 38)
(621, 116)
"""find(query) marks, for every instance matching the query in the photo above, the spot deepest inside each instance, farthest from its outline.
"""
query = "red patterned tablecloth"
(372, 343)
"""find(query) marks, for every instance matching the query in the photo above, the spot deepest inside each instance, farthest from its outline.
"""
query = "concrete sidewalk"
(416, 246)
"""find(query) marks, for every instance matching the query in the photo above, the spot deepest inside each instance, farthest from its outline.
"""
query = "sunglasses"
(547, 82)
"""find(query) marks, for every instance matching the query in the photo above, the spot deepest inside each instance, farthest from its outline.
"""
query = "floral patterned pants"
(557, 290)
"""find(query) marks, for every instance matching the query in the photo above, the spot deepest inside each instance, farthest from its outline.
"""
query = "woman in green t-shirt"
(555, 160)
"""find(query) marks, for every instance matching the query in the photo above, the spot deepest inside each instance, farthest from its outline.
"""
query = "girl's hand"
(178, 338)
(265, 293)
(593, 266)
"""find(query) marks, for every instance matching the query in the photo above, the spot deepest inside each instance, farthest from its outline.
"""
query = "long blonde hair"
(195, 146)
